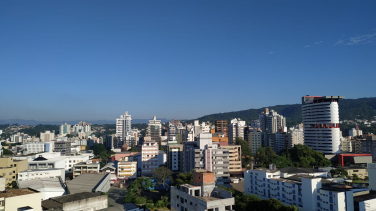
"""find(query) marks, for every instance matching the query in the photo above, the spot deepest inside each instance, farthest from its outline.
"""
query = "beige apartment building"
(360, 172)
(127, 170)
(20, 199)
(235, 161)
(9, 168)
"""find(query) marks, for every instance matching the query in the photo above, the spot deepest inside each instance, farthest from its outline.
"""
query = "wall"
(90, 204)
(32, 200)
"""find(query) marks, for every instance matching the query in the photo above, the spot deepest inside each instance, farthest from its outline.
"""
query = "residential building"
(82, 127)
(85, 168)
(123, 126)
(346, 144)
(281, 141)
(219, 137)
(77, 201)
(303, 188)
(48, 187)
(127, 169)
(34, 147)
(369, 146)
(320, 116)
(372, 174)
(47, 136)
(221, 126)
(109, 143)
(235, 161)
(295, 137)
(355, 132)
(189, 148)
(202, 195)
(175, 157)
(149, 153)
(254, 140)
(154, 129)
(358, 171)
(18, 138)
(64, 147)
(20, 199)
(90, 183)
(272, 122)
(10, 167)
(41, 173)
(75, 159)
(110, 168)
(210, 157)
(65, 129)
(236, 129)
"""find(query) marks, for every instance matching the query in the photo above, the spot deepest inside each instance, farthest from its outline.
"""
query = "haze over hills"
(99, 122)
(349, 109)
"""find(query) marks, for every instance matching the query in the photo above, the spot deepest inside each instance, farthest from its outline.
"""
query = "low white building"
(306, 190)
(41, 173)
(34, 147)
(48, 187)
(72, 160)
(41, 162)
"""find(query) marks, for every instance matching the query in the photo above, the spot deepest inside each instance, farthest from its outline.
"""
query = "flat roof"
(16, 192)
(85, 182)
(371, 195)
(267, 170)
(32, 170)
(57, 202)
(37, 184)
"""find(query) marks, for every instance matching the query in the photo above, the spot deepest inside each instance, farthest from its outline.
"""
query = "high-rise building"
(149, 156)
(154, 129)
(235, 129)
(221, 126)
(109, 143)
(65, 129)
(175, 157)
(47, 136)
(123, 126)
(320, 116)
(254, 141)
(272, 122)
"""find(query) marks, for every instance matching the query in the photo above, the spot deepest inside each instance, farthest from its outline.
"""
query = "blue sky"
(69, 60)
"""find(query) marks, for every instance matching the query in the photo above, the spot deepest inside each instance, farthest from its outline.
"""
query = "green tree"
(246, 152)
(162, 174)
(7, 152)
(134, 149)
(338, 172)
(70, 135)
(355, 177)
(183, 178)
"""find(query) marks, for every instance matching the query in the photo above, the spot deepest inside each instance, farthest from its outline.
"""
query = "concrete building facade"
(149, 154)
(236, 129)
(320, 116)
(154, 129)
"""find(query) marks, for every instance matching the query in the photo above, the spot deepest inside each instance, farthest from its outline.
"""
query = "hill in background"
(349, 109)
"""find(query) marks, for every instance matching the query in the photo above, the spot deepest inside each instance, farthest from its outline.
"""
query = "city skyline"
(95, 60)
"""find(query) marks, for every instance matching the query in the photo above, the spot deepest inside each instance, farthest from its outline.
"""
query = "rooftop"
(57, 202)
(37, 184)
(85, 182)
(371, 195)
(16, 192)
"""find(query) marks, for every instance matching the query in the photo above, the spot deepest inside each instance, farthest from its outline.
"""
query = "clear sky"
(69, 60)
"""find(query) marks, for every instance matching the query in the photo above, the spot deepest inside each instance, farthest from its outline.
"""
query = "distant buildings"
(355, 132)
(65, 129)
(202, 195)
(221, 126)
(64, 147)
(272, 122)
(154, 129)
(47, 136)
(123, 126)
(254, 140)
(236, 129)
(34, 147)
(321, 123)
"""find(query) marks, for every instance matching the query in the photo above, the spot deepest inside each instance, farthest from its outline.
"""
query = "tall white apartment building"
(149, 156)
(47, 136)
(123, 126)
(235, 129)
(307, 190)
(34, 147)
(65, 129)
(320, 116)
(154, 129)
(272, 122)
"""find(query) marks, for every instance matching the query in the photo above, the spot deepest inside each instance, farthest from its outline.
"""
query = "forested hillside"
(363, 108)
